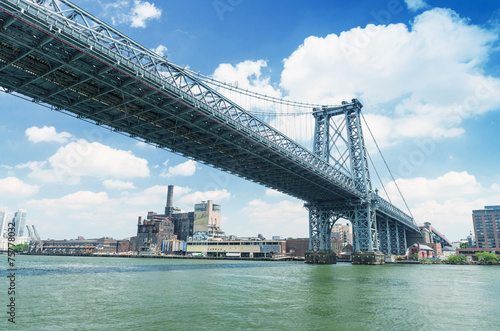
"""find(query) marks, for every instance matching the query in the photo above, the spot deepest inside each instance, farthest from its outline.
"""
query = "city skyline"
(431, 101)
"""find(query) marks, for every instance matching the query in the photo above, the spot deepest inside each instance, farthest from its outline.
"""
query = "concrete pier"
(372, 258)
(321, 257)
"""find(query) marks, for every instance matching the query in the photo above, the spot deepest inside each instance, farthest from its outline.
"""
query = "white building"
(4, 242)
(20, 219)
(3, 223)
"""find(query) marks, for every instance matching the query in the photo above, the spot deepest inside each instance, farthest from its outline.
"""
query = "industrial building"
(173, 225)
(251, 249)
(80, 246)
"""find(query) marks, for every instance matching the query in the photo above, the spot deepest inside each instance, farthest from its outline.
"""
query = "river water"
(99, 293)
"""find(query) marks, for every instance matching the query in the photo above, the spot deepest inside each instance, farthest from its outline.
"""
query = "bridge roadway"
(61, 56)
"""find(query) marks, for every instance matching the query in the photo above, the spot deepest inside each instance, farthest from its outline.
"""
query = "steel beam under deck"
(54, 72)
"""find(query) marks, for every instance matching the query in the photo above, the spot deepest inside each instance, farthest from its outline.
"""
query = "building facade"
(152, 231)
(252, 249)
(487, 227)
(207, 217)
(20, 221)
(3, 223)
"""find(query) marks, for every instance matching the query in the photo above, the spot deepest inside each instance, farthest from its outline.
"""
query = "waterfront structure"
(3, 223)
(251, 249)
(20, 221)
(80, 246)
(487, 227)
(422, 251)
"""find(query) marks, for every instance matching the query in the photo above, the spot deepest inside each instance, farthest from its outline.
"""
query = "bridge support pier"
(372, 258)
(321, 221)
(321, 257)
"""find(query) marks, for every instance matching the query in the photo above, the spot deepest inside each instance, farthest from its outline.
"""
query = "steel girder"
(96, 90)
(321, 221)
(384, 234)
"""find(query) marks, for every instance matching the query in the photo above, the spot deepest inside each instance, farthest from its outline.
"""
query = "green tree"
(487, 257)
(464, 245)
(20, 247)
(456, 258)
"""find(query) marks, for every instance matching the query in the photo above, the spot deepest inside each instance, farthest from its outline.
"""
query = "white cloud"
(422, 81)
(187, 168)
(216, 196)
(160, 50)
(117, 184)
(285, 218)
(14, 187)
(81, 158)
(46, 134)
(274, 193)
(81, 200)
(446, 201)
(143, 11)
(414, 5)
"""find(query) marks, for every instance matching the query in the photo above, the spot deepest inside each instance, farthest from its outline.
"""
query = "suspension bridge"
(62, 57)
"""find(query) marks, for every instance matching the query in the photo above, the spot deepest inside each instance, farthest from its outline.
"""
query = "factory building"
(155, 229)
(152, 231)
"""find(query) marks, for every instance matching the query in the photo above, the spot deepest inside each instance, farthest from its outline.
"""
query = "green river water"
(99, 293)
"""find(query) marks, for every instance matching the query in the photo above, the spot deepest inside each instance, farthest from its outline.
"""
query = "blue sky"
(427, 73)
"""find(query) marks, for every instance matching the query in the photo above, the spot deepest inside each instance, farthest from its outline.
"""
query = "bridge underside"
(373, 230)
(37, 64)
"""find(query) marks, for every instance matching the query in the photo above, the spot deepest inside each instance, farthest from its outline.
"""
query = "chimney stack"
(169, 208)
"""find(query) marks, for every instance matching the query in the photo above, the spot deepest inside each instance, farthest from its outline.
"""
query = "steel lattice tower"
(341, 143)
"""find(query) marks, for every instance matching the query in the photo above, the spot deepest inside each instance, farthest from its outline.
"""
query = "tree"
(487, 257)
(464, 245)
(20, 247)
(456, 258)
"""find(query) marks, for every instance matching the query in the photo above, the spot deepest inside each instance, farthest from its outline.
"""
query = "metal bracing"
(394, 232)
(321, 221)
(384, 234)
(402, 240)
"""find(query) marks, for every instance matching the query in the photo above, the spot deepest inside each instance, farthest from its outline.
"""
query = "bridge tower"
(338, 139)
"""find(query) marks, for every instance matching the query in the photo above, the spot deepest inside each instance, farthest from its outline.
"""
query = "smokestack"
(170, 201)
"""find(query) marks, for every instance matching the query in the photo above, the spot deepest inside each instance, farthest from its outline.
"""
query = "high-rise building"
(20, 221)
(207, 217)
(3, 223)
(487, 227)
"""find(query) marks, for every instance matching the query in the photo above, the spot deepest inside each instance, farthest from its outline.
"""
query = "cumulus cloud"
(81, 158)
(14, 187)
(282, 218)
(75, 201)
(142, 12)
(446, 201)
(137, 13)
(414, 5)
(217, 196)
(187, 168)
(117, 184)
(421, 80)
(46, 134)
(160, 50)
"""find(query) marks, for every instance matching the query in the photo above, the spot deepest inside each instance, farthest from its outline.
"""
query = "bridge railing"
(393, 211)
(91, 35)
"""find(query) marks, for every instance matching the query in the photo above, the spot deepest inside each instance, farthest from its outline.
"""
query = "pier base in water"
(368, 258)
(320, 257)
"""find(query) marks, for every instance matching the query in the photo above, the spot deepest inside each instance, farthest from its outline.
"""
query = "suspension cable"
(380, 180)
(387, 166)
